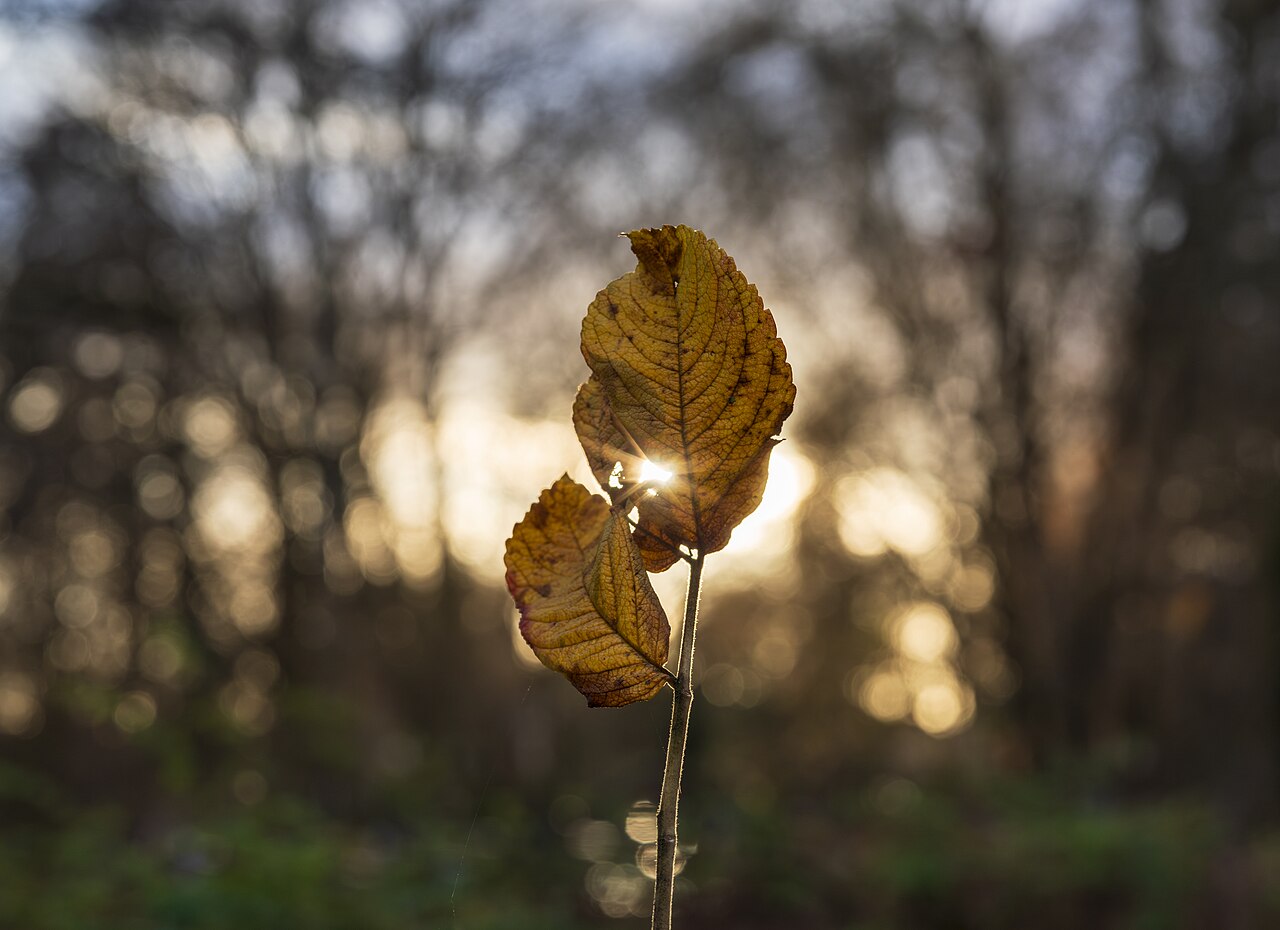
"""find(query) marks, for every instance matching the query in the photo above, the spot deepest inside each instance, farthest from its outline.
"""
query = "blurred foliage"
(282, 864)
(990, 856)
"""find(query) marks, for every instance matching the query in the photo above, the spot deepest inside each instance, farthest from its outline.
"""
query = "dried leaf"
(587, 608)
(689, 373)
(601, 437)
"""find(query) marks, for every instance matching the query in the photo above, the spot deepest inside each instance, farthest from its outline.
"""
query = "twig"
(669, 799)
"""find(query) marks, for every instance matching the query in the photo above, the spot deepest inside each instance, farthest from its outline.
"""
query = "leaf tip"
(659, 251)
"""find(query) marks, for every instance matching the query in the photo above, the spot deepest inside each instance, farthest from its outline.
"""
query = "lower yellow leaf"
(587, 608)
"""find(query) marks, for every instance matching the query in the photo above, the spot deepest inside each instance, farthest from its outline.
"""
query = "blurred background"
(289, 306)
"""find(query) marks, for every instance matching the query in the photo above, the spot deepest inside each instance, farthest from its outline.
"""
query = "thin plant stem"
(669, 799)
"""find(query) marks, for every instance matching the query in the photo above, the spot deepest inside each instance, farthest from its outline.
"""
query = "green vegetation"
(1000, 856)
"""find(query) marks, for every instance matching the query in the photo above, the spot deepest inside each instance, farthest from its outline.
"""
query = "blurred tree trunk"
(1174, 637)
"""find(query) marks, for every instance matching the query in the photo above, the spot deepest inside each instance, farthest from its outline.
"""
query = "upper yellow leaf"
(688, 372)
(586, 606)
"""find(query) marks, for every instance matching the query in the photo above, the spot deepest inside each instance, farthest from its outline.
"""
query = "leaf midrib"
(611, 627)
(684, 434)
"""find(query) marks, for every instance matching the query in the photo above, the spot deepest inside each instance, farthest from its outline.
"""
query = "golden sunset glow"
(884, 509)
